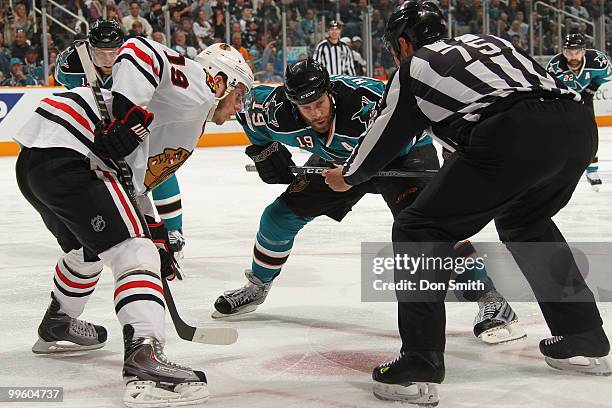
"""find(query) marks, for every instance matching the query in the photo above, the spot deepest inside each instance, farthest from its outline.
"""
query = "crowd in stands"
(254, 28)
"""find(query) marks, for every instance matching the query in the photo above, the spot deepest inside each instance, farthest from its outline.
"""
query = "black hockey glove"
(159, 235)
(122, 136)
(272, 162)
(588, 93)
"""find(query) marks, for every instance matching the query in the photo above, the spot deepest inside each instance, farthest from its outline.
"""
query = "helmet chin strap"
(212, 110)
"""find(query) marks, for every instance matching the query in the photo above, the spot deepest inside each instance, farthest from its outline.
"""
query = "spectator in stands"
(124, 7)
(201, 5)
(348, 17)
(523, 27)
(249, 38)
(17, 76)
(179, 44)
(246, 17)
(218, 24)
(53, 52)
(159, 37)
(270, 15)
(187, 28)
(137, 30)
(516, 41)
(294, 32)
(578, 10)
(308, 26)
(134, 15)
(96, 8)
(5, 55)
(495, 9)
(464, 14)
(182, 7)
(360, 62)
(33, 66)
(237, 44)
(25, 22)
(502, 26)
(156, 16)
(202, 29)
(514, 30)
(268, 75)
(113, 13)
(20, 46)
(511, 9)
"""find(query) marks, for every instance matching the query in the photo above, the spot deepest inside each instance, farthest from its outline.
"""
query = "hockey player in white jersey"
(160, 104)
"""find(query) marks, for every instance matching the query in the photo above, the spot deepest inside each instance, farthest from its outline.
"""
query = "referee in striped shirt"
(522, 142)
(333, 54)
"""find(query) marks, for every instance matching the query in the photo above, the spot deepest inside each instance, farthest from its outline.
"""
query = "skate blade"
(421, 394)
(581, 365)
(147, 394)
(247, 309)
(51, 347)
(503, 334)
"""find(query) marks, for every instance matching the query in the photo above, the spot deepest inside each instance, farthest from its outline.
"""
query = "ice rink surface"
(313, 343)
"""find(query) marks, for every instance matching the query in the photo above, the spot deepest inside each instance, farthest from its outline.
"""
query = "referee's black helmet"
(420, 23)
(305, 81)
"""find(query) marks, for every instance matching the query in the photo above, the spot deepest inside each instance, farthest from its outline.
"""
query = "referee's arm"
(319, 55)
(350, 61)
(399, 121)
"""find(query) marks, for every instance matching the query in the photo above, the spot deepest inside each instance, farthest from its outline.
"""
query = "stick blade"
(221, 336)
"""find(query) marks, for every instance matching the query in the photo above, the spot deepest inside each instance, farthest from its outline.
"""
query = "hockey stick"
(303, 170)
(212, 335)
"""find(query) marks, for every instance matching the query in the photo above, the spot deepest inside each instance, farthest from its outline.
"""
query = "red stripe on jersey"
(140, 54)
(138, 284)
(70, 111)
(71, 283)
(124, 203)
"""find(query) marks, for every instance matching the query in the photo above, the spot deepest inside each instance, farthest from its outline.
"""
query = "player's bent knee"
(132, 254)
(279, 222)
(75, 261)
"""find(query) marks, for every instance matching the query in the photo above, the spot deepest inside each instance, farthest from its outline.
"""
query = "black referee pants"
(519, 167)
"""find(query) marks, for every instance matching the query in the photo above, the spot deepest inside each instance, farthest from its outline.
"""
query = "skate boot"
(153, 381)
(59, 332)
(593, 179)
(496, 322)
(410, 378)
(176, 241)
(583, 353)
(243, 300)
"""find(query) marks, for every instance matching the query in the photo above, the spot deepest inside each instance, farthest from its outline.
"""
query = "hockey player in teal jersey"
(326, 117)
(105, 37)
(584, 71)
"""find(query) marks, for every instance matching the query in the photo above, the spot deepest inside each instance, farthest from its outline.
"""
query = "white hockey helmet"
(223, 58)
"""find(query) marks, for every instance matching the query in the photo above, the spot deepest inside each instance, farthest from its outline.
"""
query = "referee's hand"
(335, 180)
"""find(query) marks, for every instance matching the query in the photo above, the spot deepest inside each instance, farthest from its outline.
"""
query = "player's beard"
(574, 64)
(322, 126)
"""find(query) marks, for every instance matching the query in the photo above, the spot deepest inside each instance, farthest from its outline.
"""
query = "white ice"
(313, 343)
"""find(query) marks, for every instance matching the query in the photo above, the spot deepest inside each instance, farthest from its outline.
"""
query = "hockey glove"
(122, 136)
(588, 94)
(272, 162)
(159, 235)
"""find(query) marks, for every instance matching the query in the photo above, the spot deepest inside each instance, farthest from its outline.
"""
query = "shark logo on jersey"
(602, 59)
(271, 108)
(365, 114)
(554, 68)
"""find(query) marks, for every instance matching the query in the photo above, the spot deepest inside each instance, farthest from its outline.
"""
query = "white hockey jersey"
(178, 91)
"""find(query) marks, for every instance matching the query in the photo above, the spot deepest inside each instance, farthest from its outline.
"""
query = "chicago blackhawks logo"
(225, 47)
(162, 166)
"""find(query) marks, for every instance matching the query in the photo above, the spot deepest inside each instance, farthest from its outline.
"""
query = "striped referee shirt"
(448, 85)
(337, 58)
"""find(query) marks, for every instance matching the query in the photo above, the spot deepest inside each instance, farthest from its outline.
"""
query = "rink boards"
(17, 104)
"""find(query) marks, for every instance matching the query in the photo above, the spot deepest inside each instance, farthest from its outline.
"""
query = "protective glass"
(104, 57)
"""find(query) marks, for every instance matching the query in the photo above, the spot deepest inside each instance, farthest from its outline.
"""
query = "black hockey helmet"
(420, 23)
(305, 81)
(574, 41)
(334, 24)
(105, 34)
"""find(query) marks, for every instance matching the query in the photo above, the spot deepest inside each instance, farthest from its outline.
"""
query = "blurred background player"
(65, 170)
(326, 116)
(105, 38)
(584, 71)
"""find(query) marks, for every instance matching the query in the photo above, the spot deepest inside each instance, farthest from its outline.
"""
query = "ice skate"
(59, 332)
(594, 180)
(153, 381)
(411, 378)
(496, 322)
(584, 353)
(176, 242)
(243, 300)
